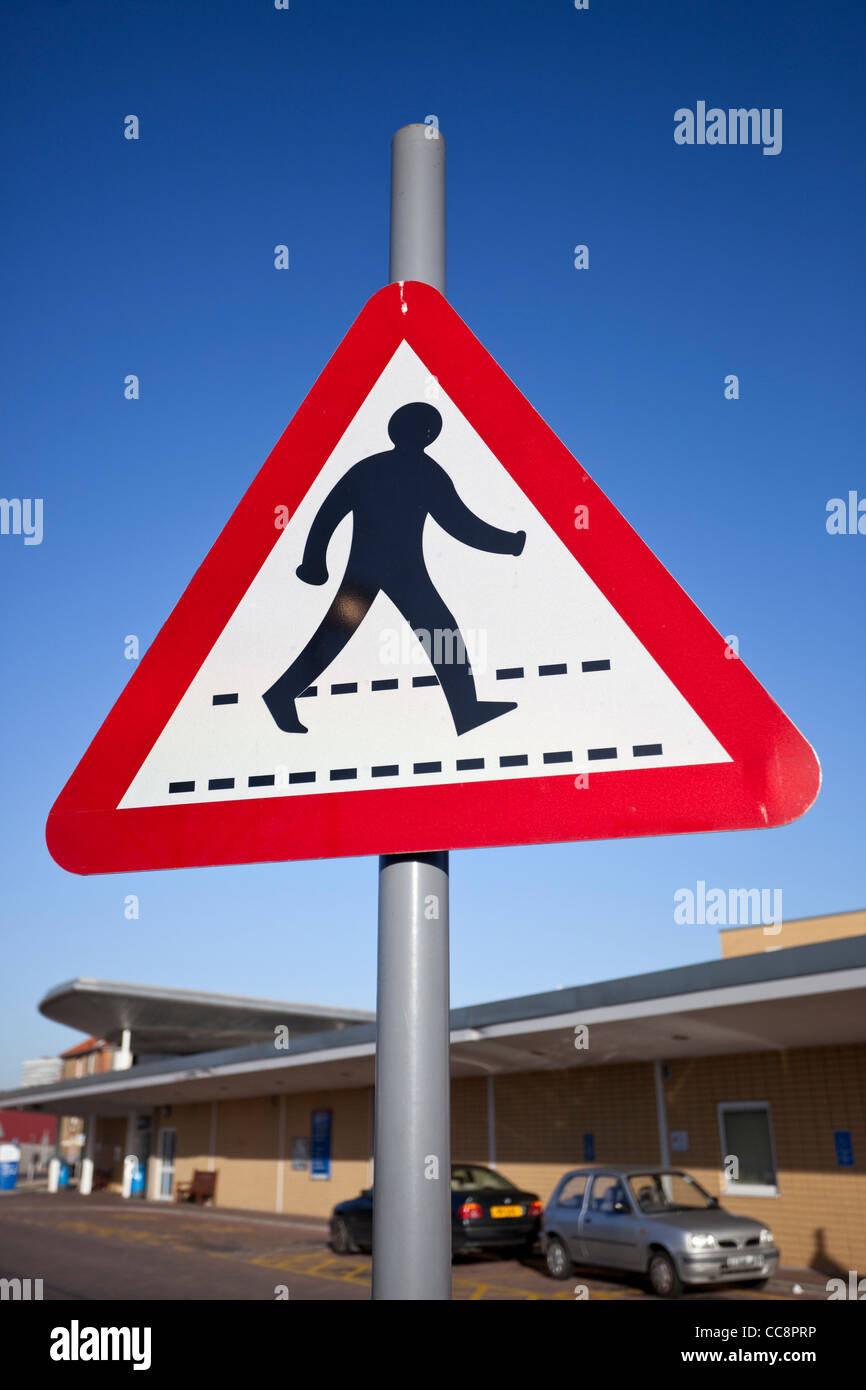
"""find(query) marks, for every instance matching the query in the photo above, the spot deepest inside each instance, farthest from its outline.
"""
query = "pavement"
(103, 1248)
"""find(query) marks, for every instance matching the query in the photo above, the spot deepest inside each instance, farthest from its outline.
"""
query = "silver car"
(658, 1222)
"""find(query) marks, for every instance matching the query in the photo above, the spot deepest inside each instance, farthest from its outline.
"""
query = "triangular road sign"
(561, 685)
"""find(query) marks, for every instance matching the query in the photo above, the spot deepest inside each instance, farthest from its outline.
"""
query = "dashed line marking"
(503, 673)
(420, 769)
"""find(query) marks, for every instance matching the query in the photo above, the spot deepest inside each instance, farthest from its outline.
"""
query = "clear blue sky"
(155, 257)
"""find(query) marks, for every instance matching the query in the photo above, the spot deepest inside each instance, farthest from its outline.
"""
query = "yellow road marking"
(319, 1265)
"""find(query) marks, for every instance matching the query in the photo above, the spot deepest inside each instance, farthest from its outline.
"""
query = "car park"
(657, 1222)
(487, 1212)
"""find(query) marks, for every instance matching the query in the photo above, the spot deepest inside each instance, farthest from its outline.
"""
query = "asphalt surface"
(101, 1247)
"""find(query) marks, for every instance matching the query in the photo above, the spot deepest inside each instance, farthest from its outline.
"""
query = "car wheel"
(663, 1277)
(557, 1259)
(341, 1238)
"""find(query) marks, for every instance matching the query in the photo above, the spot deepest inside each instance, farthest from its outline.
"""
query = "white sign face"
(536, 630)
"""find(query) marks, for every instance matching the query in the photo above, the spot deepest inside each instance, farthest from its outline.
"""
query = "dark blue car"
(487, 1212)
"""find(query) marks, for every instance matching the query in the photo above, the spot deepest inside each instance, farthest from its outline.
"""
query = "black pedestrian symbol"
(390, 496)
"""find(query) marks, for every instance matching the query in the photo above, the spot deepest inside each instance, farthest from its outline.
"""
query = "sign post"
(412, 1145)
(272, 720)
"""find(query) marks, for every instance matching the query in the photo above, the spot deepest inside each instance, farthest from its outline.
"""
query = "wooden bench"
(202, 1188)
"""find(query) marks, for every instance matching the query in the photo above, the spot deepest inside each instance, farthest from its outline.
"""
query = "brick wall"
(819, 1216)
(541, 1119)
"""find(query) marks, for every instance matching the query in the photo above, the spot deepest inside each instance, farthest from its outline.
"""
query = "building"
(89, 1058)
(35, 1134)
(746, 1071)
(41, 1070)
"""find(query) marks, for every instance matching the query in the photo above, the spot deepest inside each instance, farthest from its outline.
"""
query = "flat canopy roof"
(808, 996)
(182, 1021)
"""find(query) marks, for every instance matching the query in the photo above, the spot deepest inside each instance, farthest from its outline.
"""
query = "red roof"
(89, 1045)
(27, 1127)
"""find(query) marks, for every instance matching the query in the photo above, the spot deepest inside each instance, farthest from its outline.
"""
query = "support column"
(85, 1181)
(661, 1114)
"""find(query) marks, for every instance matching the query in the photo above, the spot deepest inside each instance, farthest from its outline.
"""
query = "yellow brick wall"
(351, 1147)
(819, 1216)
(805, 931)
(469, 1120)
(541, 1119)
(192, 1126)
(247, 1138)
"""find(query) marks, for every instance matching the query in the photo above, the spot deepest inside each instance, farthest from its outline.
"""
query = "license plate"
(737, 1261)
(506, 1211)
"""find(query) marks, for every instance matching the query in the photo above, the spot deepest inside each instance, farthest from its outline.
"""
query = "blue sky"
(155, 257)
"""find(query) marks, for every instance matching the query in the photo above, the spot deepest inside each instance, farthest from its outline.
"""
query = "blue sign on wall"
(589, 1148)
(844, 1148)
(320, 1144)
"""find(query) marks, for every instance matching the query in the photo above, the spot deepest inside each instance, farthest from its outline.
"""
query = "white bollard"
(130, 1163)
(53, 1174)
(85, 1182)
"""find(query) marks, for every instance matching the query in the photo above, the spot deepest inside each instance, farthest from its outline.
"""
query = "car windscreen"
(467, 1177)
(668, 1191)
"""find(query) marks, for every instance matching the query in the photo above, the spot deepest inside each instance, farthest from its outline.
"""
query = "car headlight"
(700, 1242)
(766, 1236)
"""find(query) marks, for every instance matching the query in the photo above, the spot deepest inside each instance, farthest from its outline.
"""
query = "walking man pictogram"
(390, 496)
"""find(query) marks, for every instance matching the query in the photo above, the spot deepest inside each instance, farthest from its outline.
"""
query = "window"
(607, 1192)
(748, 1155)
(572, 1193)
(668, 1190)
(466, 1177)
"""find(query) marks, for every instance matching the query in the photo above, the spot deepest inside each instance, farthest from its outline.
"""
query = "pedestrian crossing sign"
(424, 627)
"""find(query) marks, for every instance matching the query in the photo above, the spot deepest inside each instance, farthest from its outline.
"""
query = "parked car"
(658, 1222)
(487, 1212)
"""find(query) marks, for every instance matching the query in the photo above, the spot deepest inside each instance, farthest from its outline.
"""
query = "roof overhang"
(182, 1021)
(808, 996)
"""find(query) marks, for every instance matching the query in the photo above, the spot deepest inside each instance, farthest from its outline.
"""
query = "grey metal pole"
(412, 1144)
(418, 206)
